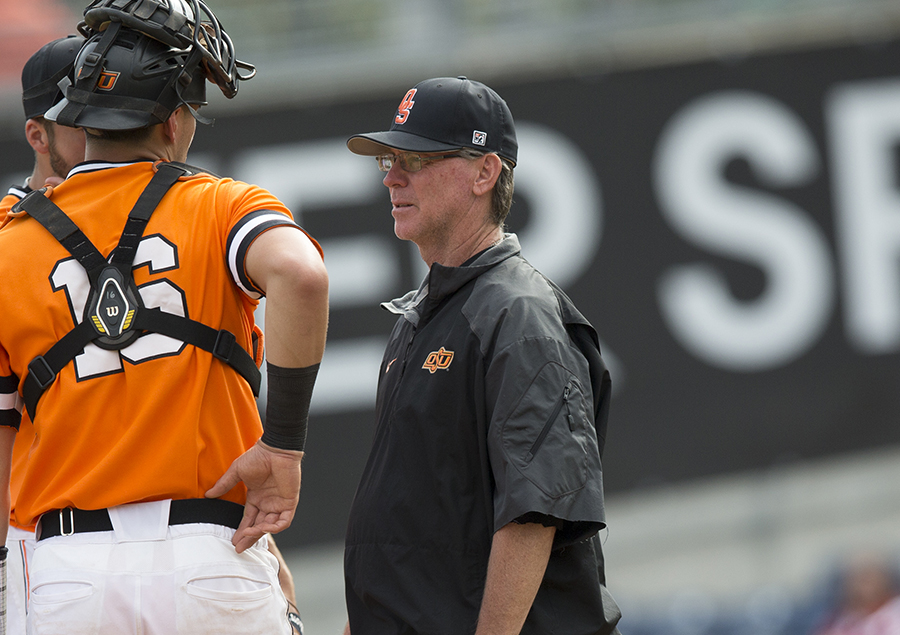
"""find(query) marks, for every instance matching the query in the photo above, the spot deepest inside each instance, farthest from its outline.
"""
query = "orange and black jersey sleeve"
(242, 236)
(10, 402)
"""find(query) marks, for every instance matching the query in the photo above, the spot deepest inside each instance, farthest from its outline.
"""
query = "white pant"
(21, 545)
(184, 579)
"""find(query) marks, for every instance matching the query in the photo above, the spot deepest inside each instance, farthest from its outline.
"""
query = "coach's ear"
(36, 135)
(488, 174)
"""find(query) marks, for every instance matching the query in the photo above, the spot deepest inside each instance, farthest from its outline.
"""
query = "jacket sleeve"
(542, 443)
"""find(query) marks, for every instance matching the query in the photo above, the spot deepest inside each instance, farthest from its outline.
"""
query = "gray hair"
(502, 194)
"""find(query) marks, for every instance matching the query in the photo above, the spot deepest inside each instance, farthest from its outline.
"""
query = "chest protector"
(115, 315)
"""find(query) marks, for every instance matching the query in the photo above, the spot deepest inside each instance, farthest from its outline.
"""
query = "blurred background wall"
(716, 185)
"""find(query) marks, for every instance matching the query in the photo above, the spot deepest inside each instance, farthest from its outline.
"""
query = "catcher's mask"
(144, 59)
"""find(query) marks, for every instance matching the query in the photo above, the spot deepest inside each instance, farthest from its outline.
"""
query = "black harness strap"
(222, 344)
(123, 256)
(46, 212)
(43, 369)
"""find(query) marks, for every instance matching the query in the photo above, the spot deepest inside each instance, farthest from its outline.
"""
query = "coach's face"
(434, 207)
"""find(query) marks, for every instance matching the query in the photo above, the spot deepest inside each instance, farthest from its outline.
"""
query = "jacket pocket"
(562, 401)
(543, 439)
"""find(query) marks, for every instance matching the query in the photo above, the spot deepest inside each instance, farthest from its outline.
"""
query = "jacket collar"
(443, 281)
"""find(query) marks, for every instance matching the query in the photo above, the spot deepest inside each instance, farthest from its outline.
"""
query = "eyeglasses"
(409, 161)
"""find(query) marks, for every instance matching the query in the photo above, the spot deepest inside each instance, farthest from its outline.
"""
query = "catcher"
(134, 354)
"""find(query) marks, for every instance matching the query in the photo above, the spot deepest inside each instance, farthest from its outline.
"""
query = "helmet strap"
(196, 75)
(206, 121)
(89, 74)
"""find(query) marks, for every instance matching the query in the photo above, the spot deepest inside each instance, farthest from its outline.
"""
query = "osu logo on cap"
(438, 360)
(405, 106)
(107, 80)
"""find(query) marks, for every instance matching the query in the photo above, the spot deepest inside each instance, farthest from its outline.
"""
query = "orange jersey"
(157, 419)
(26, 433)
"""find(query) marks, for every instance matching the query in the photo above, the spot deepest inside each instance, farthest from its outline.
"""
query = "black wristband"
(288, 393)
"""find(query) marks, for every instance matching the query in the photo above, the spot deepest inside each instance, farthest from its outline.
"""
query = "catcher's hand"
(272, 477)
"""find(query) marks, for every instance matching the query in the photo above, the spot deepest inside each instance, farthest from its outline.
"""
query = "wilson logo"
(107, 80)
(405, 106)
(438, 360)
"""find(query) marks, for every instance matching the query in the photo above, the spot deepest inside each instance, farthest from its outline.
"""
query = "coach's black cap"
(445, 114)
(44, 70)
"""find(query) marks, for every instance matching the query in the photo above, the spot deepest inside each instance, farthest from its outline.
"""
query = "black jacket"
(487, 410)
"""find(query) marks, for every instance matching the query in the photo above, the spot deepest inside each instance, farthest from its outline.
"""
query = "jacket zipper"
(569, 416)
(563, 400)
(402, 372)
(409, 344)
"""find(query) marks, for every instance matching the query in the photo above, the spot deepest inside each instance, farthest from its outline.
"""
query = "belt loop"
(62, 522)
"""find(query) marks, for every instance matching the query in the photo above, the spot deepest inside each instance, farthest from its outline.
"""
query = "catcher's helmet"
(143, 60)
(173, 22)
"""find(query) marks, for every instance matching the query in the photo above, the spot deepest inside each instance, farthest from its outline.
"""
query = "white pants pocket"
(238, 595)
(57, 592)
(229, 589)
(64, 606)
